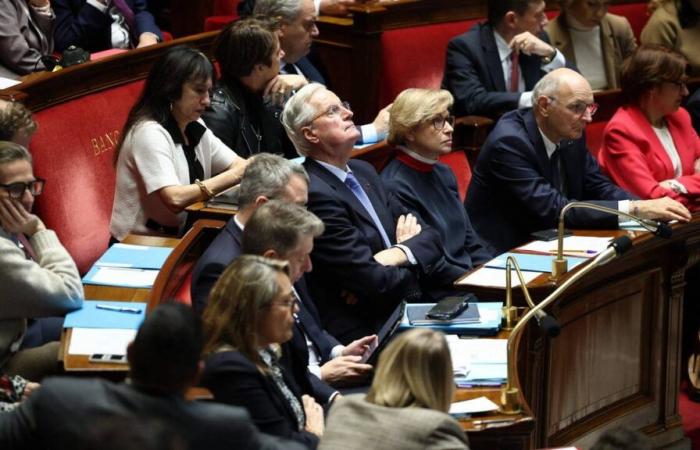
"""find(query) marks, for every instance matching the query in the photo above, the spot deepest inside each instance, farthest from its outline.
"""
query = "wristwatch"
(548, 59)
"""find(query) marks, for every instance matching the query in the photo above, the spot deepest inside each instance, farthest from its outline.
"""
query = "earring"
(171, 106)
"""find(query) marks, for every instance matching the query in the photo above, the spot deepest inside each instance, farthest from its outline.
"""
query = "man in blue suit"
(370, 256)
(492, 68)
(535, 161)
(97, 25)
(266, 178)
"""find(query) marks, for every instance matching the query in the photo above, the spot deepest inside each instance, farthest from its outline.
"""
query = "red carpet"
(690, 411)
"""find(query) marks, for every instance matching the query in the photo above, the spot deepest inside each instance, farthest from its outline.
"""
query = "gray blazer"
(25, 35)
(355, 424)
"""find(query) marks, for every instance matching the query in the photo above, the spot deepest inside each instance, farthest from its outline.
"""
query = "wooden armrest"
(470, 134)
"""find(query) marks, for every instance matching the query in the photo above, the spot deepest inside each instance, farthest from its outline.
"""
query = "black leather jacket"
(242, 121)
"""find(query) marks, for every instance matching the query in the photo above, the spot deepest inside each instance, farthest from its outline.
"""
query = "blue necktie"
(361, 195)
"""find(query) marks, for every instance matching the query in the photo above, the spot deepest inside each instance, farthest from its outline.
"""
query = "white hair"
(298, 113)
(288, 10)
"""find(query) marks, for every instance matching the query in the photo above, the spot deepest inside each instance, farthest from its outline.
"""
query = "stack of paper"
(489, 323)
(468, 407)
(491, 277)
(104, 326)
(128, 266)
(479, 362)
(582, 246)
(530, 262)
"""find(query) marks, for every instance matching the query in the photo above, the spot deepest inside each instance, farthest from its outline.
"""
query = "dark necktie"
(27, 247)
(558, 173)
(129, 16)
(514, 71)
(311, 329)
(354, 185)
(289, 69)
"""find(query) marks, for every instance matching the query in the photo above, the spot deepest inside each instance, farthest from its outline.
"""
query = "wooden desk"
(80, 363)
(617, 359)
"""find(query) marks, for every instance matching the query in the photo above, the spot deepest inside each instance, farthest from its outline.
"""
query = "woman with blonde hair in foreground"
(407, 405)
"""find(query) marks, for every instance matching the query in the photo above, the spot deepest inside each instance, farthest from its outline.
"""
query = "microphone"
(560, 263)
(547, 323)
(511, 402)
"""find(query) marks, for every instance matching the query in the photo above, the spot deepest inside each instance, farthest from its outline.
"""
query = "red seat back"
(459, 164)
(594, 136)
(636, 13)
(415, 57)
(225, 7)
(224, 12)
(73, 149)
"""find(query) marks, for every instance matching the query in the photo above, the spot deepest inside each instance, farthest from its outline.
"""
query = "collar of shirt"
(549, 146)
(194, 131)
(416, 156)
(238, 223)
(576, 25)
(504, 50)
(341, 174)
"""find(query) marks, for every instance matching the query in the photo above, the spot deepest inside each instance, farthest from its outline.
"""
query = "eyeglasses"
(580, 108)
(290, 302)
(333, 111)
(16, 190)
(440, 121)
(681, 84)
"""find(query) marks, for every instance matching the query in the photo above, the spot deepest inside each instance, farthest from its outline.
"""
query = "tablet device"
(385, 334)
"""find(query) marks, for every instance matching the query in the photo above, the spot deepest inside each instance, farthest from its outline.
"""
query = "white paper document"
(477, 405)
(8, 82)
(581, 246)
(117, 276)
(112, 341)
(489, 276)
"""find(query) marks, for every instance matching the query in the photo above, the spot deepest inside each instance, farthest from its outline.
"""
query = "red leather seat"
(73, 150)
(415, 57)
(636, 13)
(224, 12)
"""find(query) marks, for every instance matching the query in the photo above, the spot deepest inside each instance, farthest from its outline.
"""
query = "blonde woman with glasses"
(249, 314)
(407, 405)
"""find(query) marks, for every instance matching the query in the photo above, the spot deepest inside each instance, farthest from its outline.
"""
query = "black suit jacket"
(223, 250)
(511, 192)
(234, 380)
(343, 255)
(474, 75)
(66, 411)
(81, 24)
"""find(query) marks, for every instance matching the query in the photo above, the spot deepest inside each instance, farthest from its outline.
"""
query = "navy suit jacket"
(474, 75)
(235, 380)
(81, 24)
(343, 255)
(511, 192)
(223, 250)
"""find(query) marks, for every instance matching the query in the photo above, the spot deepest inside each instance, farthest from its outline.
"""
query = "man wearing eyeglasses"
(37, 275)
(371, 255)
(535, 161)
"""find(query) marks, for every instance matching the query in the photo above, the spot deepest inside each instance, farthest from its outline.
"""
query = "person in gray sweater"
(37, 275)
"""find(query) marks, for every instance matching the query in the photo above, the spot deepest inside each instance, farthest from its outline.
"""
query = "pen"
(119, 309)
(485, 422)
(570, 250)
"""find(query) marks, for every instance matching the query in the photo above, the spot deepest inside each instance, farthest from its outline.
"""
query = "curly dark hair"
(15, 118)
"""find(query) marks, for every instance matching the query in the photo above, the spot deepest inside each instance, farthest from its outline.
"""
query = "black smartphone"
(449, 307)
(107, 358)
(548, 235)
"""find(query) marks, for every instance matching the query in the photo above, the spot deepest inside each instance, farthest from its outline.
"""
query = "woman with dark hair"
(649, 146)
(167, 159)
(406, 407)
(244, 111)
(675, 24)
(250, 312)
(593, 39)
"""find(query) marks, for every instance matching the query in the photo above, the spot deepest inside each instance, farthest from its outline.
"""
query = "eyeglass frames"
(16, 190)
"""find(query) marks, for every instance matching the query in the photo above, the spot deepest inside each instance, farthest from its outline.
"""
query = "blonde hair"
(415, 370)
(236, 304)
(413, 107)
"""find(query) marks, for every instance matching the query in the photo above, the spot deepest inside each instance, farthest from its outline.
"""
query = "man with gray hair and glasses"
(371, 256)
(535, 161)
(267, 177)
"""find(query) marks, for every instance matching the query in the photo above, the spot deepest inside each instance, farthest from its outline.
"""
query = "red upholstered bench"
(73, 150)
(415, 57)
(636, 13)
(224, 12)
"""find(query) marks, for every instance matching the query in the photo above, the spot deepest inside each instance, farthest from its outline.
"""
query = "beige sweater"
(664, 29)
(50, 286)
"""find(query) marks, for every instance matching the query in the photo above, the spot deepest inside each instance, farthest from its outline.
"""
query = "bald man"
(535, 161)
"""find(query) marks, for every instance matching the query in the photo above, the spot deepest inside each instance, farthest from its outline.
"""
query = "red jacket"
(632, 155)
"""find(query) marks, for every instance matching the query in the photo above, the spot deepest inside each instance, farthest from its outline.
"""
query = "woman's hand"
(17, 220)
(314, 416)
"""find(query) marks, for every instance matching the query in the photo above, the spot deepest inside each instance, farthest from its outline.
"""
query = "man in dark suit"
(361, 273)
(492, 68)
(266, 177)
(97, 25)
(286, 231)
(535, 161)
(164, 363)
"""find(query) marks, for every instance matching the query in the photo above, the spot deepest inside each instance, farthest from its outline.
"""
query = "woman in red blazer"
(649, 146)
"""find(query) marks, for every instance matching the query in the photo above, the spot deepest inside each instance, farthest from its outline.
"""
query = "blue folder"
(531, 262)
(134, 256)
(92, 317)
(484, 327)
